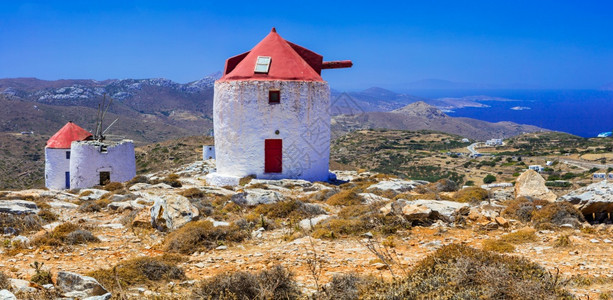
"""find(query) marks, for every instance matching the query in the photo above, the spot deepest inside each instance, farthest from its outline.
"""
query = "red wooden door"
(273, 156)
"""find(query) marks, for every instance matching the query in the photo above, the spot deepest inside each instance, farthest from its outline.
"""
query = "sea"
(585, 113)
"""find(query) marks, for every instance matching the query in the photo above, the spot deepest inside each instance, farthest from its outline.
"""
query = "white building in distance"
(271, 114)
(58, 154)
(494, 142)
(74, 160)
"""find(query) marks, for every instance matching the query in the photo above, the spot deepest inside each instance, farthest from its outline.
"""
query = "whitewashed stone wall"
(56, 166)
(244, 119)
(87, 161)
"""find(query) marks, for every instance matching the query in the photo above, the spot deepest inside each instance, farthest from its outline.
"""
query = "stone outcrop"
(396, 185)
(78, 286)
(18, 207)
(531, 184)
(7, 295)
(308, 224)
(426, 210)
(254, 197)
(596, 198)
(172, 211)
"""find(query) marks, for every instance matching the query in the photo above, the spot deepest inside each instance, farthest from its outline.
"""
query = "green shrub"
(489, 178)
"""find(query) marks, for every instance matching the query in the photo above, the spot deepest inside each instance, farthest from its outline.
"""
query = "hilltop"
(421, 116)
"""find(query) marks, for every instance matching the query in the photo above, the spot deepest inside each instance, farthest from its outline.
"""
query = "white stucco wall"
(87, 161)
(243, 119)
(208, 152)
(56, 166)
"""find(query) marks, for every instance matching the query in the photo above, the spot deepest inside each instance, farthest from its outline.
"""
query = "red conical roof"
(69, 133)
(288, 62)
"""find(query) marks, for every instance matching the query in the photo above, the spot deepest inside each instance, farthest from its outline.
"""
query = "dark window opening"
(67, 154)
(274, 96)
(105, 178)
(103, 149)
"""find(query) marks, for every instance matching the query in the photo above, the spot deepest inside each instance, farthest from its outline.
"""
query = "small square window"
(67, 154)
(274, 96)
(262, 64)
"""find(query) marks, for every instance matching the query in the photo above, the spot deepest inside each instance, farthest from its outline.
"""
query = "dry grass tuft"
(460, 272)
(4, 281)
(524, 235)
(276, 283)
(345, 197)
(562, 241)
(192, 193)
(113, 186)
(94, 206)
(66, 234)
(471, 195)
(498, 246)
(139, 270)
(196, 236)
(10, 223)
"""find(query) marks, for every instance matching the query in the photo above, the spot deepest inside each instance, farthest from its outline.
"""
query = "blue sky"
(548, 44)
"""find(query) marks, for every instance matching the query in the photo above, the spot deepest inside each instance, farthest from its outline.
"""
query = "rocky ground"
(141, 219)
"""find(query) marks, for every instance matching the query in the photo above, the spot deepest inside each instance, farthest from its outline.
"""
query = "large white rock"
(79, 286)
(426, 209)
(172, 211)
(7, 295)
(308, 224)
(253, 197)
(18, 207)
(370, 198)
(531, 184)
(396, 185)
(594, 198)
(92, 194)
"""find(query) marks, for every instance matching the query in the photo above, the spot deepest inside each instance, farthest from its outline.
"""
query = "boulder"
(286, 183)
(62, 204)
(172, 211)
(394, 208)
(308, 224)
(254, 197)
(439, 209)
(370, 198)
(596, 198)
(18, 207)
(7, 295)
(79, 286)
(140, 186)
(413, 212)
(502, 195)
(531, 184)
(20, 285)
(92, 194)
(122, 206)
(396, 185)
